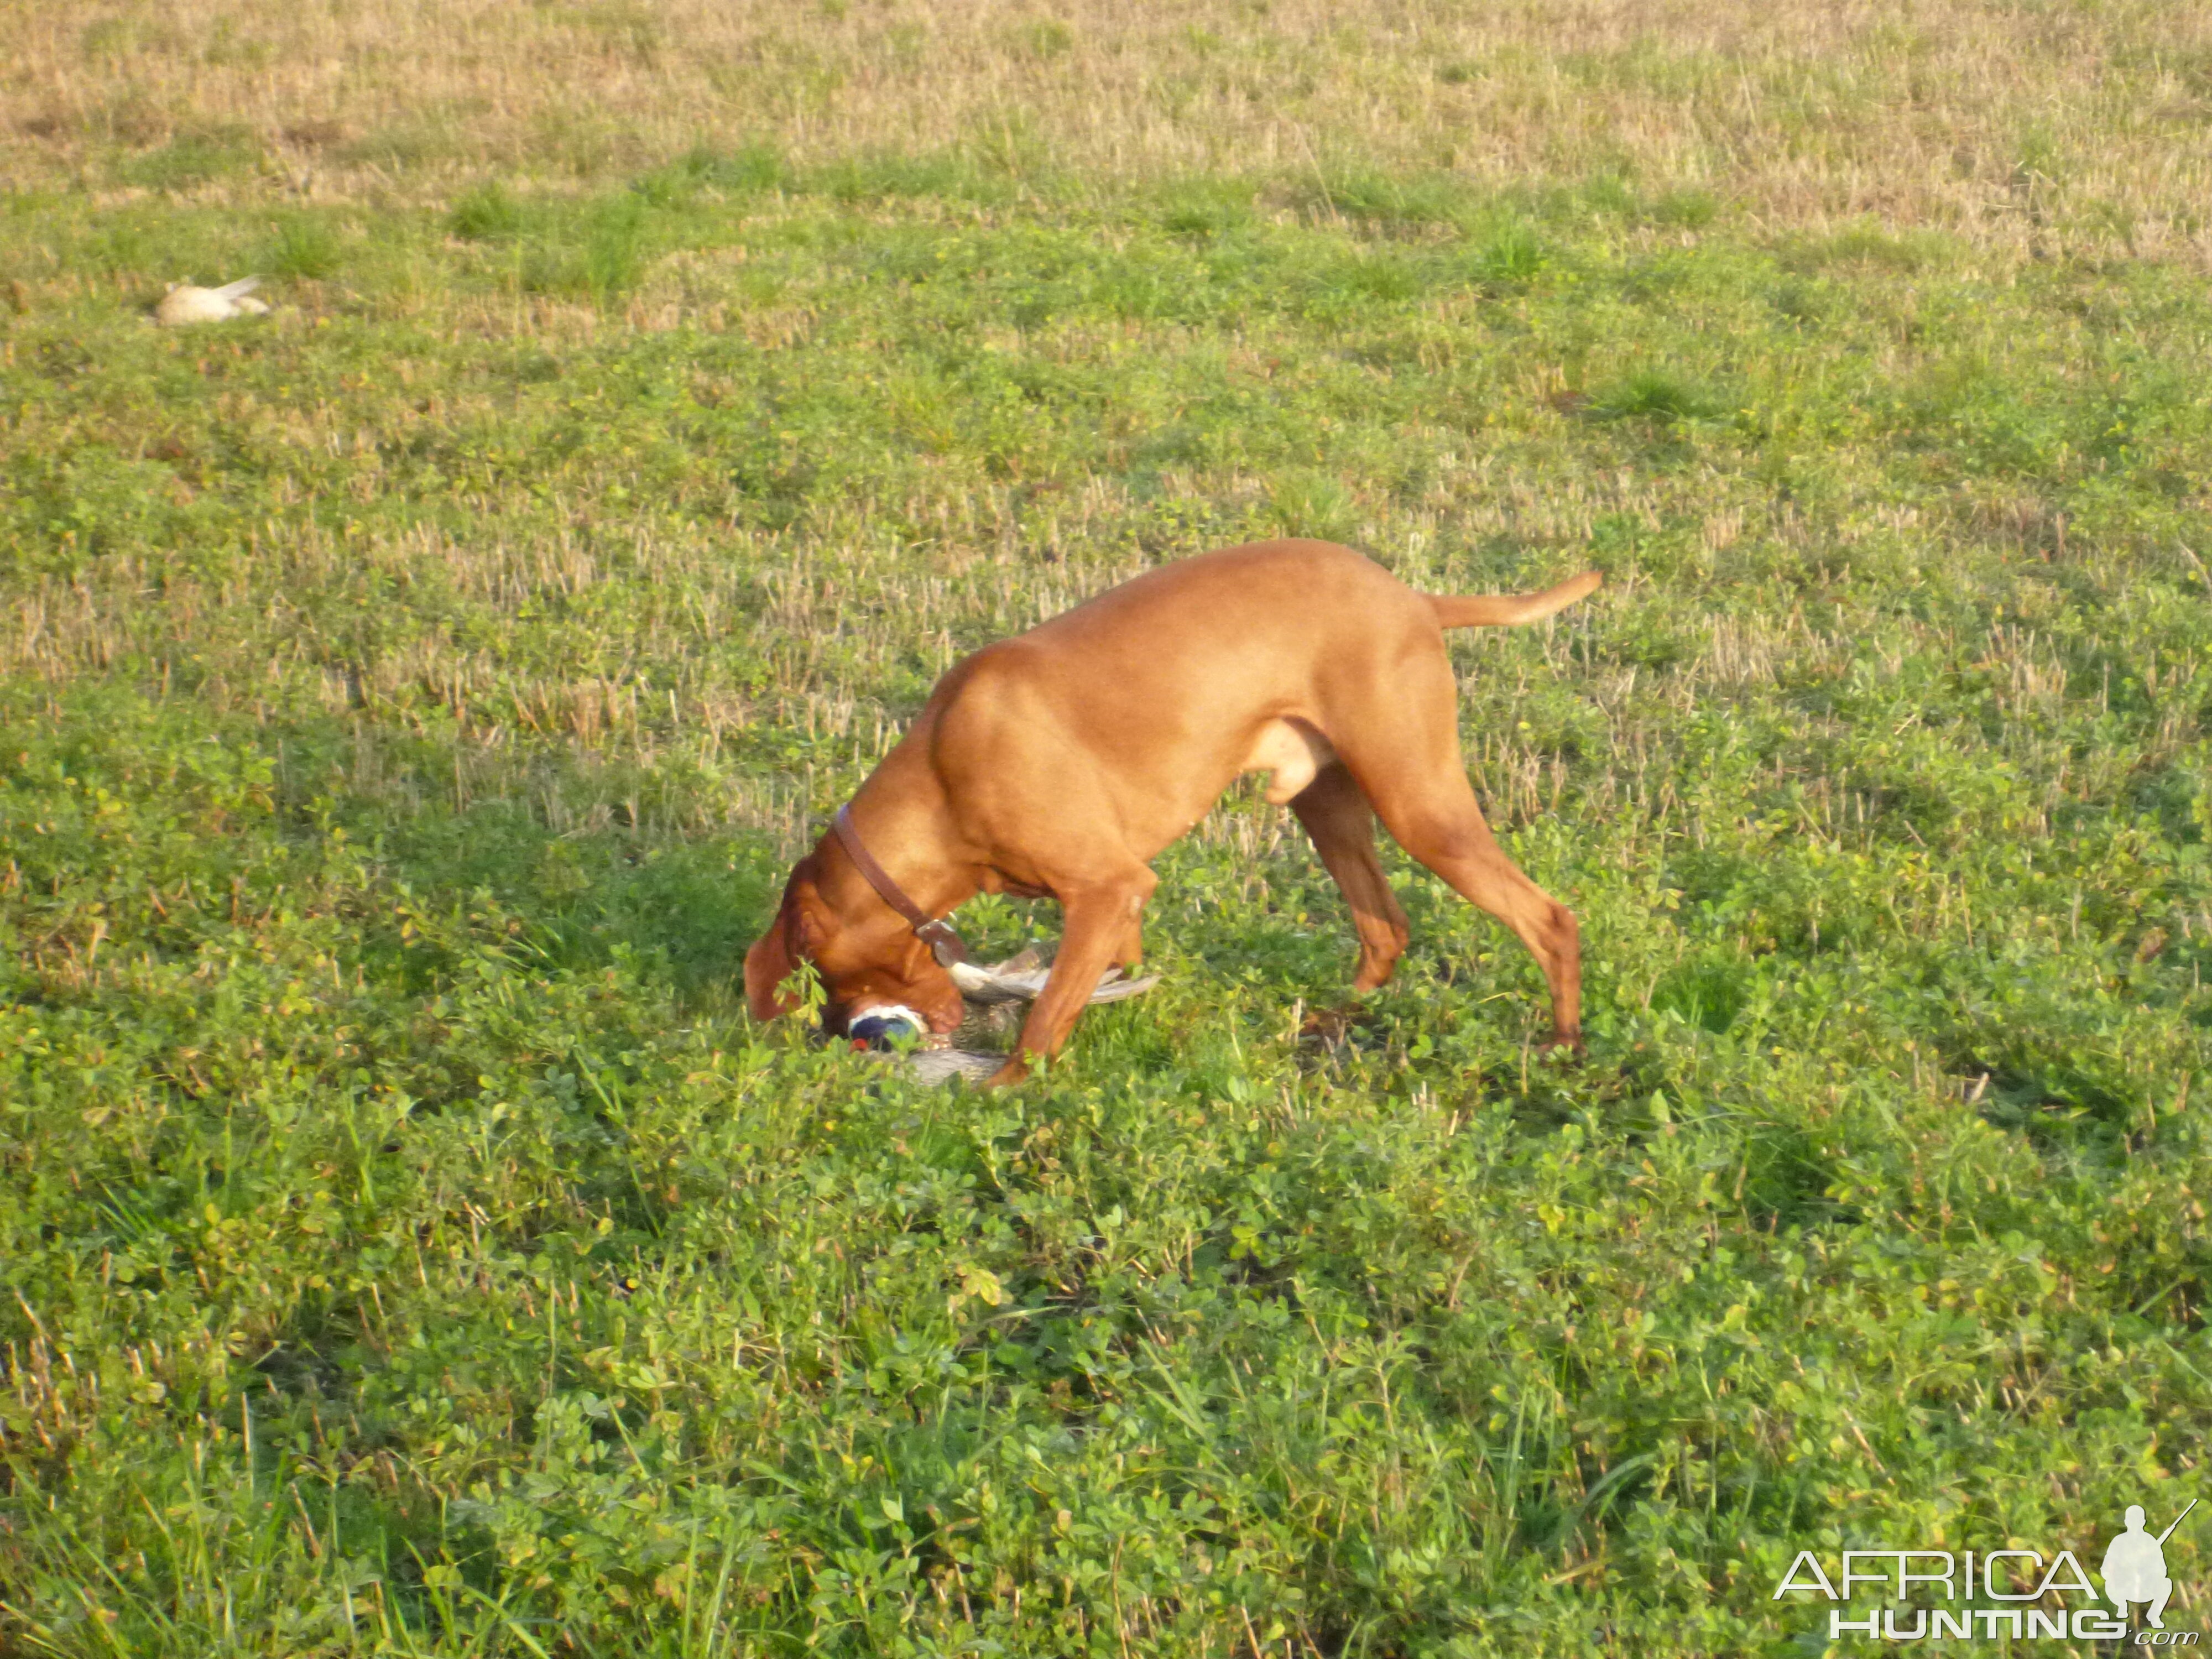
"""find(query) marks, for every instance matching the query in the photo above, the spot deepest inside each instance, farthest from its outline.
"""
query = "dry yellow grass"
(1997, 120)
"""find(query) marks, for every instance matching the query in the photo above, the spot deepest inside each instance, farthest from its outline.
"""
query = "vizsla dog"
(1062, 762)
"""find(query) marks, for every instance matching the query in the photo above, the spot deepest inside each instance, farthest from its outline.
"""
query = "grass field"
(410, 703)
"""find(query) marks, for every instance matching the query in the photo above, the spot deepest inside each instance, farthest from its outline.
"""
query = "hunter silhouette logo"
(2135, 1566)
(1998, 1595)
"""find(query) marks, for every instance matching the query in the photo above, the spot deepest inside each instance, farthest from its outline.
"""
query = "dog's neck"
(906, 825)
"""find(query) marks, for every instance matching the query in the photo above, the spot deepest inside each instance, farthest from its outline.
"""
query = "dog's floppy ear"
(776, 954)
(767, 964)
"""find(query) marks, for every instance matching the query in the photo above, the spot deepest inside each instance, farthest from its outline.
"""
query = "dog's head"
(867, 955)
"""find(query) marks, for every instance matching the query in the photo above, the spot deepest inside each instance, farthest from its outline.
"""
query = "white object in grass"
(992, 986)
(184, 303)
(1018, 979)
(943, 1064)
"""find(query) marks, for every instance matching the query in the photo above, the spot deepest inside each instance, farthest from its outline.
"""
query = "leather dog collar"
(943, 943)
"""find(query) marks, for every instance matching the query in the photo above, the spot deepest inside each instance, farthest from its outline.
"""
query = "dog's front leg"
(1101, 923)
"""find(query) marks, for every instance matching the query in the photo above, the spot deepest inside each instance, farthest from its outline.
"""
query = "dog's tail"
(1510, 610)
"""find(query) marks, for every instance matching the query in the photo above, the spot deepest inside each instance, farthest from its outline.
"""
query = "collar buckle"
(943, 943)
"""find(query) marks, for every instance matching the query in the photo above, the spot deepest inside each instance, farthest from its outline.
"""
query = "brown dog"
(1062, 762)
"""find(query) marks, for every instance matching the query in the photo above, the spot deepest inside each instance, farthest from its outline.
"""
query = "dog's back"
(1169, 685)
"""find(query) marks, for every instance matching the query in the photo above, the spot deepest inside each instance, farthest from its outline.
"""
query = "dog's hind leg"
(1408, 764)
(1336, 815)
(1443, 828)
(1099, 928)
